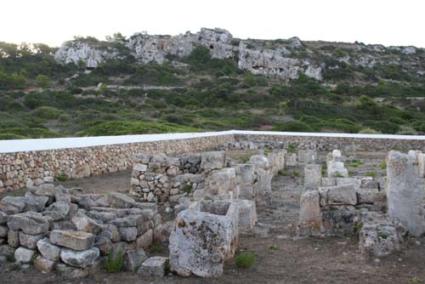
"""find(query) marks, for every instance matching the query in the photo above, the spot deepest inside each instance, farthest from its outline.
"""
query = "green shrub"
(62, 177)
(245, 259)
(114, 261)
(43, 81)
(296, 126)
(46, 112)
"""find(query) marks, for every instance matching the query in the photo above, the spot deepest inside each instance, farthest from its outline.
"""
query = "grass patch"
(245, 259)
(114, 262)
(156, 247)
(371, 174)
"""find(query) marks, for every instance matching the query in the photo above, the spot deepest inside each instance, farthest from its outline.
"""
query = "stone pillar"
(406, 191)
(310, 218)
(312, 176)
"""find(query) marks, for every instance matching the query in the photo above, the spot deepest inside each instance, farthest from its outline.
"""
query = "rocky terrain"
(208, 80)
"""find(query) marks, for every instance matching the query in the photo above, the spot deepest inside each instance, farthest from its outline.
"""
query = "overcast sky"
(389, 22)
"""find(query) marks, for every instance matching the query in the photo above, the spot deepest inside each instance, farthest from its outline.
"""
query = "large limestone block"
(405, 192)
(338, 195)
(81, 259)
(76, 240)
(312, 176)
(221, 184)
(153, 267)
(307, 156)
(245, 177)
(29, 241)
(263, 176)
(247, 214)
(212, 160)
(310, 218)
(23, 255)
(12, 204)
(120, 200)
(48, 250)
(32, 223)
(379, 236)
(204, 236)
(58, 210)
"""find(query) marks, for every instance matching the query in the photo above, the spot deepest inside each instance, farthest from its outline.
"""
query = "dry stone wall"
(20, 169)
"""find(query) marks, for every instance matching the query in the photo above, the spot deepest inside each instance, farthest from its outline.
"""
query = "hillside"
(208, 81)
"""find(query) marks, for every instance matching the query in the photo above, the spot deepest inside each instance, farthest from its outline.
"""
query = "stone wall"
(20, 169)
(36, 167)
(347, 143)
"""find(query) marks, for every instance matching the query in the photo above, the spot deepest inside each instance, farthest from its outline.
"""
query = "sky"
(388, 22)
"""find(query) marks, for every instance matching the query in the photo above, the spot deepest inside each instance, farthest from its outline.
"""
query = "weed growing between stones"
(245, 259)
(114, 262)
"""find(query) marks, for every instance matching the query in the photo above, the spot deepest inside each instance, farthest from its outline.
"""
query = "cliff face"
(286, 59)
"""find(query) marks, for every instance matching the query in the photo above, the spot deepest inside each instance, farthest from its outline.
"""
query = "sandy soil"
(280, 256)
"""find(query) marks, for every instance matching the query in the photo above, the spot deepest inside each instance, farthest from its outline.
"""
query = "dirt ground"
(280, 256)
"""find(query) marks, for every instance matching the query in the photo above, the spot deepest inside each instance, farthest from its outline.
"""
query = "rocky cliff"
(286, 59)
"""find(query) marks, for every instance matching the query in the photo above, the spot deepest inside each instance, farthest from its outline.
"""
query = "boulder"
(69, 272)
(34, 202)
(13, 238)
(153, 267)
(23, 255)
(379, 236)
(48, 250)
(3, 231)
(203, 237)
(212, 160)
(12, 204)
(81, 259)
(120, 200)
(128, 234)
(145, 240)
(29, 241)
(76, 240)
(43, 265)
(31, 223)
(86, 224)
(3, 218)
(133, 259)
(57, 210)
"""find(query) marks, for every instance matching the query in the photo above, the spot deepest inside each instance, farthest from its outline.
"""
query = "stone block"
(312, 176)
(13, 238)
(212, 160)
(48, 250)
(3, 231)
(76, 240)
(204, 236)
(81, 259)
(23, 255)
(310, 217)
(379, 236)
(221, 184)
(145, 240)
(247, 215)
(128, 234)
(29, 241)
(86, 224)
(43, 265)
(31, 223)
(12, 204)
(120, 200)
(133, 259)
(338, 195)
(57, 210)
(405, 191)
(153, 267)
